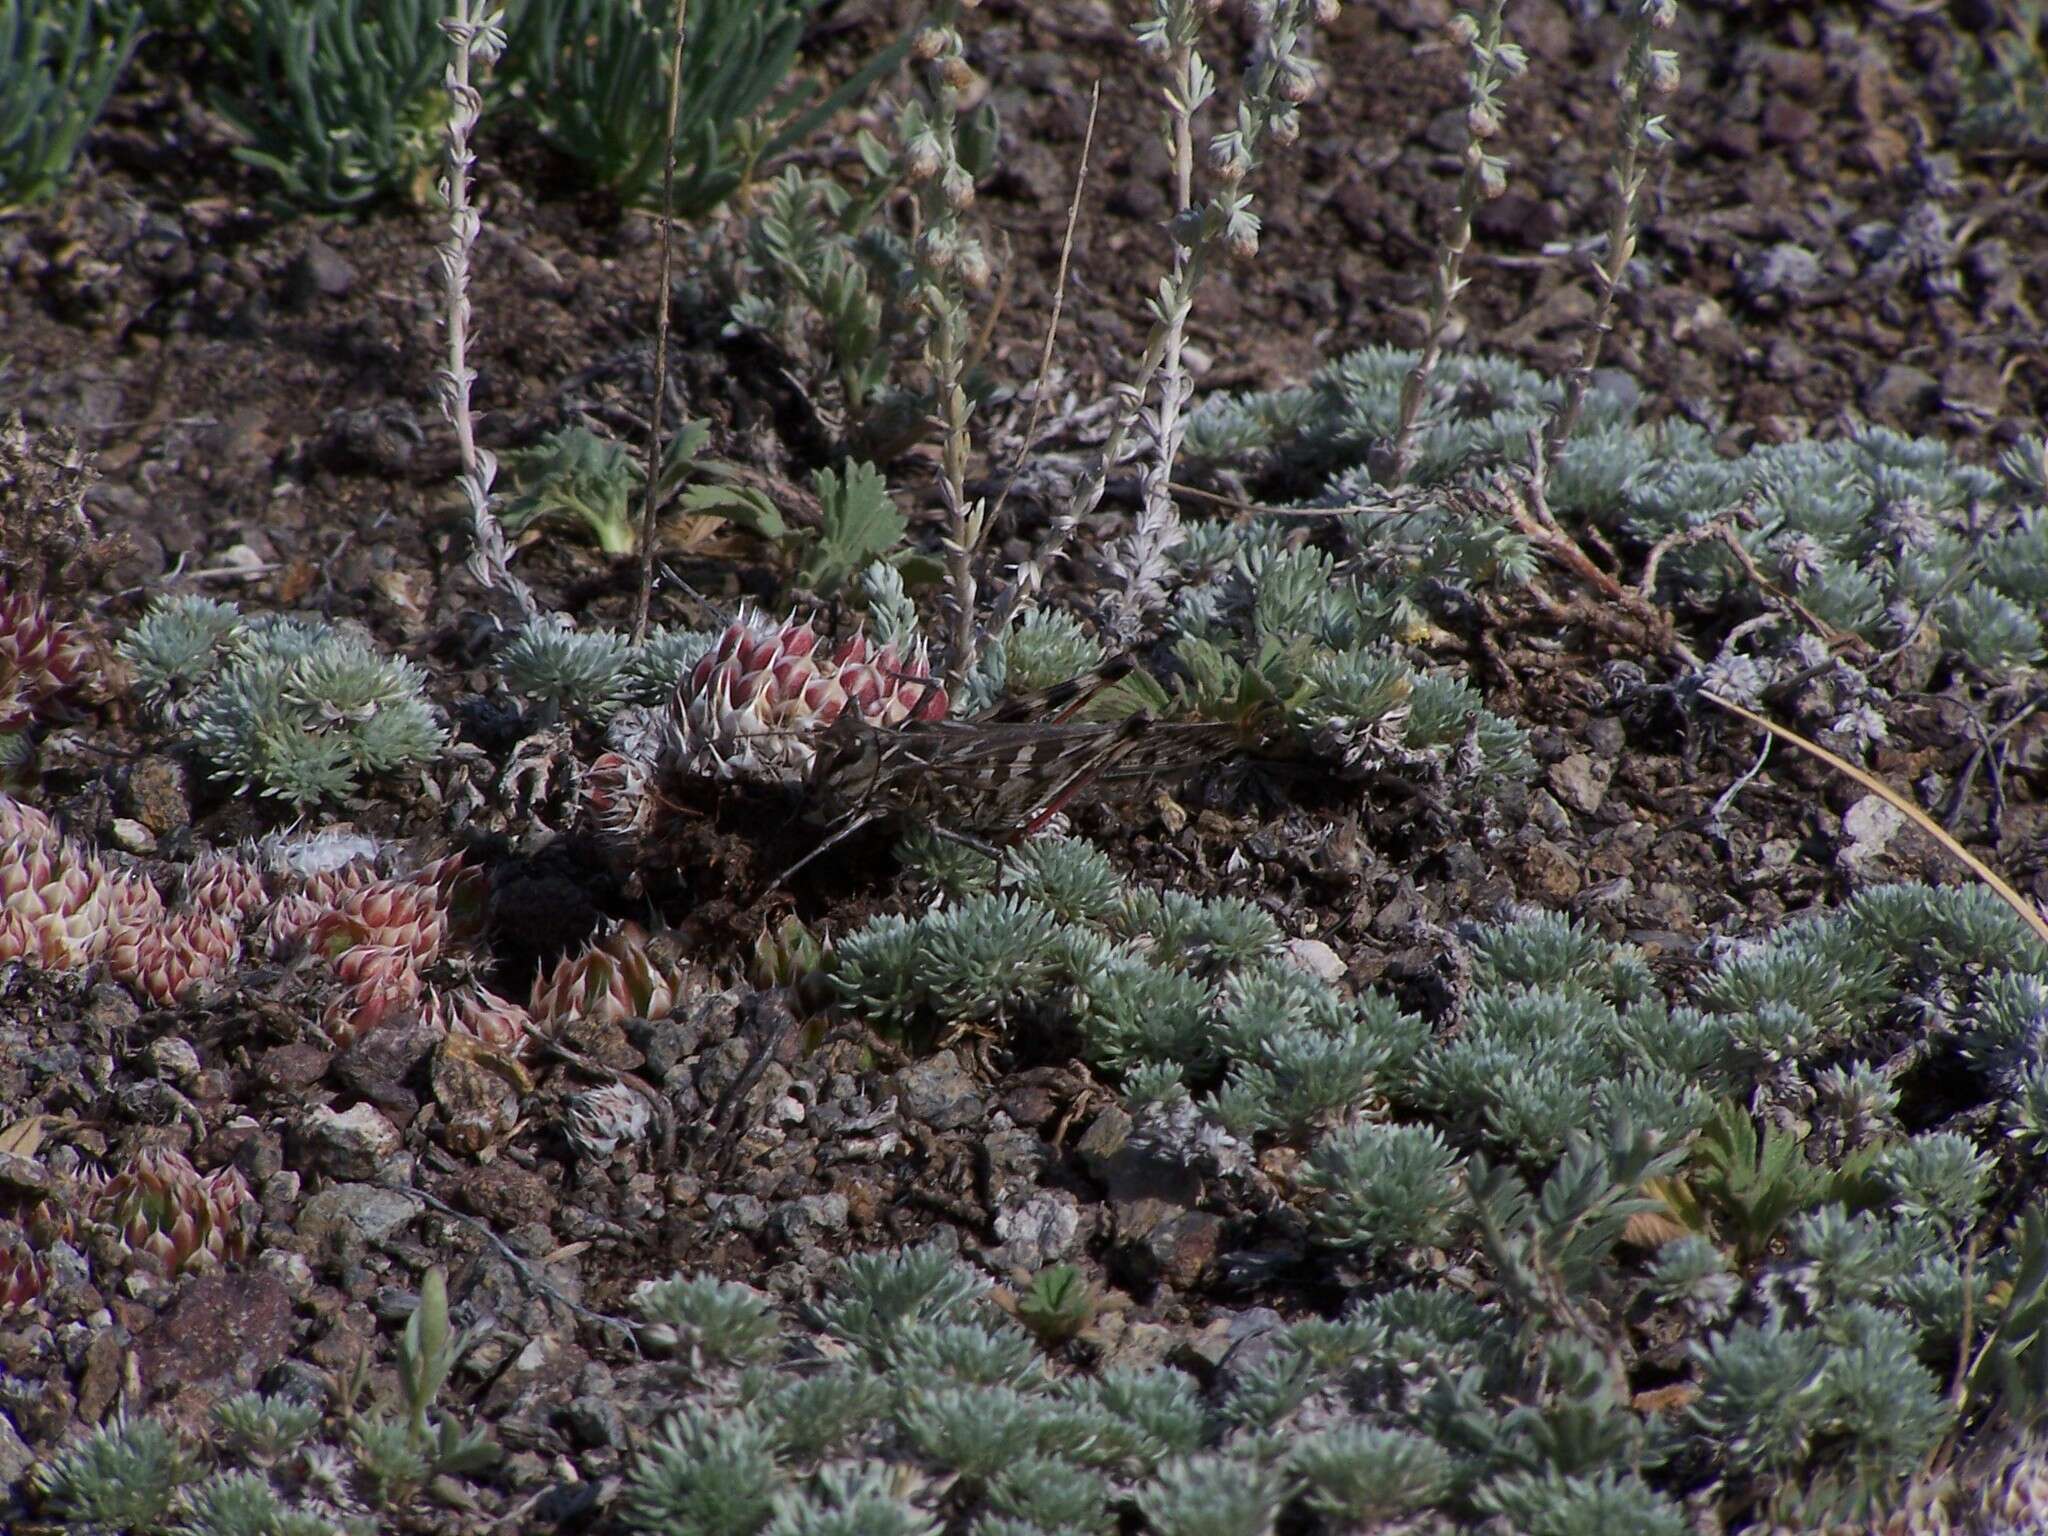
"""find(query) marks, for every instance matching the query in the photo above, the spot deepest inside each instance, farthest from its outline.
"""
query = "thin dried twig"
(530, 1272)
(1389, 507)
(1530, 513)
(1717, 812)
(1059, 300)
(1959, 1380)
(1905, 807)
(652, 491)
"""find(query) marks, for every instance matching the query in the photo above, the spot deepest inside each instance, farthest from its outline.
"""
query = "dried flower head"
(133, 903)
(164, 955)
(225, 883)
(392, 914)
(461, 888)
(285, 926)
(22, 824)
(599, 1121)
(616, 798)
(22, 1273)
(380, 982)
(171, 959)
(17, 938)
(481, 1014)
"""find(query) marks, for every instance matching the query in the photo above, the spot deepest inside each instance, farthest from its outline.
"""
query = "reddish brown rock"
(219, 1328)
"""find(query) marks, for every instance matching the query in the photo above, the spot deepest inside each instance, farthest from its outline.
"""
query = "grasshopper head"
(848, 764)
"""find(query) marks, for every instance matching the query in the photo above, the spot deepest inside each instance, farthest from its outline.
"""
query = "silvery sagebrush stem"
(1278, 79)
(1492, 61)
(1646, 72)
(1140, 558)
(474, 33)
(950, 262)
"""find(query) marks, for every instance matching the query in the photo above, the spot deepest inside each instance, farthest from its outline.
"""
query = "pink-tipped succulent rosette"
(755, 705)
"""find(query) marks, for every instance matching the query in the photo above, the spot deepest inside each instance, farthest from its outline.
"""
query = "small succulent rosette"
(754, 707)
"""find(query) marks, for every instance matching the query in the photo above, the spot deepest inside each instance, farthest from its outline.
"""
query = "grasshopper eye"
(845, 757)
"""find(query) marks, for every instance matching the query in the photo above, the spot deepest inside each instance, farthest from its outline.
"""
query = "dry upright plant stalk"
(475, 34)
(1646, 72)
(1493, 61)
(668, 206)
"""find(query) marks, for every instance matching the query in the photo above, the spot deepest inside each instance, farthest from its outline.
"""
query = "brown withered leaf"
(1652, 1229)
(24, 1136)
(1682, 1213)
(479, 1091)
(1680, 1394)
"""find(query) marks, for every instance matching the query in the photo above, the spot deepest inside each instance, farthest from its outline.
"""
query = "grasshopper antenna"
(865, 819)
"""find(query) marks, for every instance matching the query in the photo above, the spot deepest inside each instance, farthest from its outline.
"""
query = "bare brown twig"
(1530, 513)
(1059, 300)
(1905, 807)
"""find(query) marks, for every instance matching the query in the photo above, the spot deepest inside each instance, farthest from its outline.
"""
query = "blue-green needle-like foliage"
(59, 62)
(1598, 1147)
(1878, 534)
(339, 100)
(291, 709)
(252, 1473)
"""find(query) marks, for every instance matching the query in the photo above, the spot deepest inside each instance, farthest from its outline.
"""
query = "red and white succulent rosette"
(755, 704)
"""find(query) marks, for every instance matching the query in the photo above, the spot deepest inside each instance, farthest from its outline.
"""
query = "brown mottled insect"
(1002, 776)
